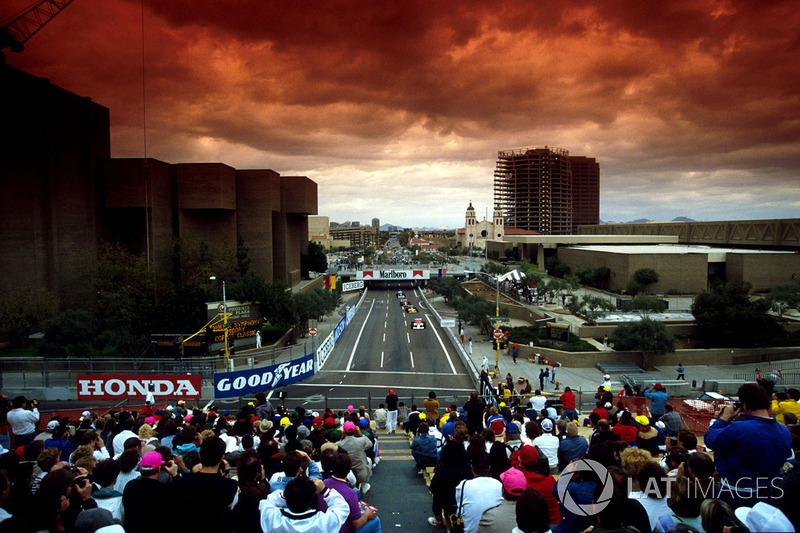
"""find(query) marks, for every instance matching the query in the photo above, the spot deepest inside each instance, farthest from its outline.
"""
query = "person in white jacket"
(23, 421)
(289, 510)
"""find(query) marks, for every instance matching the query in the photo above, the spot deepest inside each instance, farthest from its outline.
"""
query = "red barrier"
(696, 415)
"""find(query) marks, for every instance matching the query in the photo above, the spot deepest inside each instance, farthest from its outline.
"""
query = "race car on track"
(404, 303)
(411, 309)
(400, 294)
(418, 323)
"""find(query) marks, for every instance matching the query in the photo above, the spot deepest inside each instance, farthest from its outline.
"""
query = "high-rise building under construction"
(547, 190)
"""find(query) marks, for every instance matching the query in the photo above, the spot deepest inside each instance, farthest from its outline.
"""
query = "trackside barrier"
(696, 415)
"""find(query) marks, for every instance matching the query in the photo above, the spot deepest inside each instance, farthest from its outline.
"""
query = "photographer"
(23, 418)
(749, 446)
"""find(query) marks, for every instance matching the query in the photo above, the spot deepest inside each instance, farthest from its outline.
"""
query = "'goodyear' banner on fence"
(231, 384)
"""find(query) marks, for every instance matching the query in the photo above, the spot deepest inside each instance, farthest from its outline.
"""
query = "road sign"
(498, 334)
(498, 318)
(448, 322)
(312, 331)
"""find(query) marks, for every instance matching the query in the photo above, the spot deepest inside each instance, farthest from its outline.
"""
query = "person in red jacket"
(568, 405)
(532, 467)
(625, 429)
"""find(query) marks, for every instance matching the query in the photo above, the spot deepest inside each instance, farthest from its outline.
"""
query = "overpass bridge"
(383, 275)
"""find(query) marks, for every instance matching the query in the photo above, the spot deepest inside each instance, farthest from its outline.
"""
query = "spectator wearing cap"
(763, 517)
(290, 510)
(785, 402)
(449, 423)
(548, 444)
(749, 452)
(498, 427)
(391, 411)
(539, 478)
(209, 489)
(48, 432)
(648, 436)
(355, 444)
(503, 517)
(512, 438)
(572, 447)
(474, 496)
(59, 439)
(141, 496)
(568, 405)
(658, 399)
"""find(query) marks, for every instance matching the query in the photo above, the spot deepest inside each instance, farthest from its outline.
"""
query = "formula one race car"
(411, 309)
(418, 323)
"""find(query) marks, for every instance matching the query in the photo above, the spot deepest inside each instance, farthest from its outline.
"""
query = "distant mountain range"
(646, 220)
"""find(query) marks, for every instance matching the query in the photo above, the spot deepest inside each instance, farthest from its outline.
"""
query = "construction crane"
(15, 32)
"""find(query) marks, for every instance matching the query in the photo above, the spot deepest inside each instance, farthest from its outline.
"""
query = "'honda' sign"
(122, 386)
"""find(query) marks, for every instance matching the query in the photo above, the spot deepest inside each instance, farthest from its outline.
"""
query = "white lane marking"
(408, 338)
(442, 345)
(411, 355)
(388, 372)
(384, 337)
(358, 339)
(357, 386)
(384, 323)
(381, 359)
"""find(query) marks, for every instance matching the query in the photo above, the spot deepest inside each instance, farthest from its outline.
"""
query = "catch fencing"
(696, 415)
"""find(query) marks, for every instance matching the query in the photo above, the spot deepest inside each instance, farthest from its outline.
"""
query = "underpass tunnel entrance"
(398, 285)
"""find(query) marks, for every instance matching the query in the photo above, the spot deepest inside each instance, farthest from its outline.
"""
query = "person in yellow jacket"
(785, 402)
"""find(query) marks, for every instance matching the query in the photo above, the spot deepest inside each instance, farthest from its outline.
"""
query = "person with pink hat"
(355, 444)
(503, 517)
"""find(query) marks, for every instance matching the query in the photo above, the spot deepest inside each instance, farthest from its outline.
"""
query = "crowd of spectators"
(497, 468)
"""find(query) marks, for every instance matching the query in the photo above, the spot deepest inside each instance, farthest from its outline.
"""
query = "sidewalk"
(585, 380)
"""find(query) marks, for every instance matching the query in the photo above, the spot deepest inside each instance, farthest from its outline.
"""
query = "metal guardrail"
(783, 378)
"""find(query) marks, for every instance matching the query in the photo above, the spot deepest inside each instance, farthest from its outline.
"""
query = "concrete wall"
(258, 194)
(50, 145)
(764, 271)
(687, 357)
(682, 273)
(206, 186)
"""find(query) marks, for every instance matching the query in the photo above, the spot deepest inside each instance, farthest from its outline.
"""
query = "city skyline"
(400, 109)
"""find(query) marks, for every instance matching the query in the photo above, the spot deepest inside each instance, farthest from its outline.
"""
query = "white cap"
(606, 377)
(547, 424)
(53, 424)
(169, 408)
(763, 517)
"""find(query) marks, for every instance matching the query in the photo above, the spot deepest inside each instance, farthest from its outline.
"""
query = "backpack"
(514, 457)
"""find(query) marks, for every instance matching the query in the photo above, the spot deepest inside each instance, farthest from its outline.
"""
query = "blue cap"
(363, 422)
(512, 427)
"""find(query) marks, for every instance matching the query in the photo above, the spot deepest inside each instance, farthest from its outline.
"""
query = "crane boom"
(15, 32)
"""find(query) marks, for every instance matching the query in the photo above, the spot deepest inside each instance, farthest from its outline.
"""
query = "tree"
(24, 310)
(589, 306)
(277, 305)
(493, 268)
(532, 272)
(783, 298)
(644, 305)
(726, 315)
(476, 310)
(243, 260)
(601, 275)
(648, 336)
(76, 332)
(315, 260)
(645, 277)
(585, 276)
(200, 260)
(449, 288)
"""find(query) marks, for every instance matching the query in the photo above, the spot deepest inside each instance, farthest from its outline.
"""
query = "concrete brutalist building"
(63, 196)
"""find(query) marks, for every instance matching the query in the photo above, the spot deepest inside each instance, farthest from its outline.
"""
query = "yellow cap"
(643, 420)
(285, 421)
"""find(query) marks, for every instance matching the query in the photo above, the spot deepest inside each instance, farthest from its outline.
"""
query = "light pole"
(224, 317)
(497, 324)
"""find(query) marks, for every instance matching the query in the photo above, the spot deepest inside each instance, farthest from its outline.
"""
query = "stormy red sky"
(397, 109)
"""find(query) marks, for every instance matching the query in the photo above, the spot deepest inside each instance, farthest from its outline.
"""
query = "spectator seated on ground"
(633, 460)
(453, 469)
(537, 475)
(474, 496)
(603, 433)
(548, 444)
(648, 437)
(652, 493)
(423, 448)
(503, 517)
(363, 521)
(290, 510)
(380, 416)
(355, 444)
(295, 463)
(531, 513)
(625, 429)
(684, 500)
(413, 421)
(105, 475)
(572, 447)
(671, 420)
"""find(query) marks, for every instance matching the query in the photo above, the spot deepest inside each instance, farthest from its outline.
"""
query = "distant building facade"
(376, 223)
(537, 190)
(64, 196)
(357, 235)
(475, 233)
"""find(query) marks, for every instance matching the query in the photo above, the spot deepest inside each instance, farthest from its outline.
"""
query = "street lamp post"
(497, 324)
(224, 318)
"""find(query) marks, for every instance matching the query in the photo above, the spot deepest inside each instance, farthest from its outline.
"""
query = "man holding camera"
(749, 446)
(23, 418)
